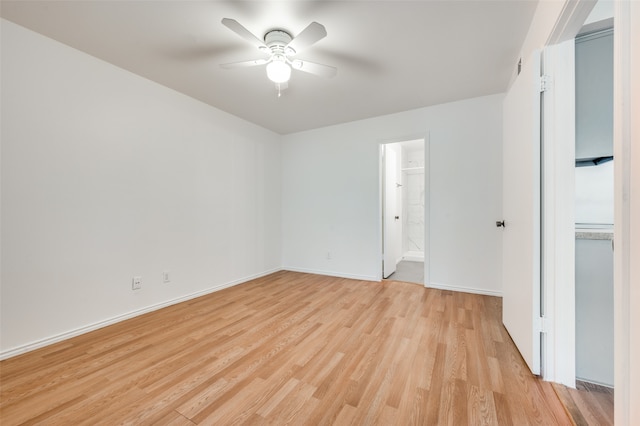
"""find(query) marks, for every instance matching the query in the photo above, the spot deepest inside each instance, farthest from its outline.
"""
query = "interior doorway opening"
(570, 209)
(404, 210)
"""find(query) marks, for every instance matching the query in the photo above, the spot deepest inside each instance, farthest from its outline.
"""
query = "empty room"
(319, 212)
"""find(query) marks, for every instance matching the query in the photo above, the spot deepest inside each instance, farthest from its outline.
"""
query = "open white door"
(521, 213)
(391, 218)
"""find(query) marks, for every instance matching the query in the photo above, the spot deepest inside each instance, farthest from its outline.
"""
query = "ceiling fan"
(282, 47)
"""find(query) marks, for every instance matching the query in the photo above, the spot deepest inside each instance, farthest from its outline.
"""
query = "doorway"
(404, 210)
(565, 208)
(594, 203)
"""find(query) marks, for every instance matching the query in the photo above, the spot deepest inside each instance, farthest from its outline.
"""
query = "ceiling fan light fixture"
(281, 46)
(278, 71)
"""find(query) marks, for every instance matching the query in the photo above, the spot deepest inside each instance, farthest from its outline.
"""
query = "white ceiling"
(391, 56)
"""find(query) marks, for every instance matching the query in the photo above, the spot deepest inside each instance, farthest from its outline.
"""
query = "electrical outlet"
(136, 284)
(328, 255)
(165, 277)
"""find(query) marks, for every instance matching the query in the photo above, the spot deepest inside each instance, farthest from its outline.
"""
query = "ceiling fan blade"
(245, 64)
(313, 68)
(310, 35)
(237, 28)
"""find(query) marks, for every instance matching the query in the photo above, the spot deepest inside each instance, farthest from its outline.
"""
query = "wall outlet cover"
(136, 284)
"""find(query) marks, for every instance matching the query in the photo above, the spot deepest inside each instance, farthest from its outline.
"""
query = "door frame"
(427, 204)
(558, 253)
(626, 204)
(626, 140)
(558, 215)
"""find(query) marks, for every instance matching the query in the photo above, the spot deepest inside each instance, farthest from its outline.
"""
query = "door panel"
(521, 213)
(390, 231)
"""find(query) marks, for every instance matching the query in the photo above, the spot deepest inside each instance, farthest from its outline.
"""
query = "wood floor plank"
(481, 407)
(289, 348)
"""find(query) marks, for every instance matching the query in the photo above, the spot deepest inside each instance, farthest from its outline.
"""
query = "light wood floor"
(289, 348)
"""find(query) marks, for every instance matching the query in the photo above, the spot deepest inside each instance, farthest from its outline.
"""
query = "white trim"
(413, 256)
(604, 385)
(379, 272)
(559, 214)
(439, 286)
(462, 289)
(427, 209)
(626, 269)
(332, 274)
(574, 14)
(101, 324)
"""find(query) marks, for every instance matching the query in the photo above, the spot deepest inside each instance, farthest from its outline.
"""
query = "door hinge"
(542, 324)
(545, 82)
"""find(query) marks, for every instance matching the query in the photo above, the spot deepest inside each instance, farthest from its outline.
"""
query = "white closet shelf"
(412, 168)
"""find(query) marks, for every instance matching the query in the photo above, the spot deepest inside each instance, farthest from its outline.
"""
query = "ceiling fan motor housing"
(277, 40)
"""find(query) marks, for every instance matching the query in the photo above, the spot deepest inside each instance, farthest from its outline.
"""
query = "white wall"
(331, 194)
(594, 194)
(602, 10)
(106, 175)
(594, 311)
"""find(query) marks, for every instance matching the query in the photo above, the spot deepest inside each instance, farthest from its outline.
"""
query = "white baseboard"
(414, 256)
(472, 290)
(95, 326)
(331, 274)
(606, 385)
